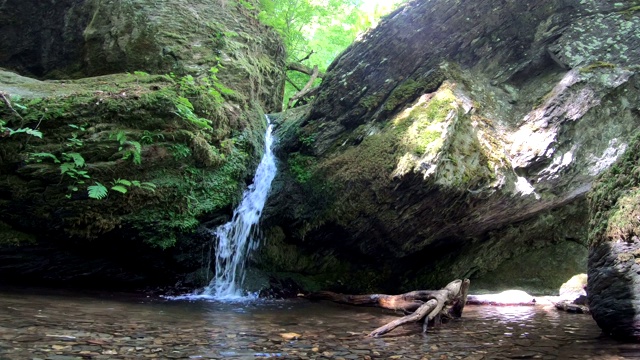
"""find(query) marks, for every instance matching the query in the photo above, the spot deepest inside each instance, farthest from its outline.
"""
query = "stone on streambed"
(574, 288)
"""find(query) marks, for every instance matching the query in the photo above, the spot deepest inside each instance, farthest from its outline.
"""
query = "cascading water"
(238, 237)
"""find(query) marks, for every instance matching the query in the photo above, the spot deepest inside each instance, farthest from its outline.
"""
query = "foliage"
(299, 165)
(99, 191)
(132, 149)
(184, 109)
(321, 28)
(13, 103)
(28, 131)
(208, 90)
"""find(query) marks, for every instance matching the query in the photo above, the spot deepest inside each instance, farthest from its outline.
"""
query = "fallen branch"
(304, 69)
(423, 305)
(306, 89)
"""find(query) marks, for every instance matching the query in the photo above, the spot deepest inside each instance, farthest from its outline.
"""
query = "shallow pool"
(60, 325)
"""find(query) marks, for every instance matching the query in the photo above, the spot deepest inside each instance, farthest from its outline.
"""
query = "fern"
(97, 191)
(38, 157)
(185, 110)
(78, 160)
(32, 132)
(119, 188)
(123, 182)
(148, 186)
(137, 150)
(67, 167)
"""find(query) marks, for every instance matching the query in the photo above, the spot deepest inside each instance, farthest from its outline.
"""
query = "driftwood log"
(429, 306)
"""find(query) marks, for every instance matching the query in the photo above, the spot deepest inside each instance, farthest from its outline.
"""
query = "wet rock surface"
(614, 255)
(459, 139)
(61, 326)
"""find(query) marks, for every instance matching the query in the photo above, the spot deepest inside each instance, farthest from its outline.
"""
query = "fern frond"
(123, 182)
(148, 186)
(67, 167)
(119, 188)
(78, 160)
(97, 191)
(43, 155)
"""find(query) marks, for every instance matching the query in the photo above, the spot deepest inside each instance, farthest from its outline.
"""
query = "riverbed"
(61, 325)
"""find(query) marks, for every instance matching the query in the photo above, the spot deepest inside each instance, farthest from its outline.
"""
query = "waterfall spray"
(238, 237)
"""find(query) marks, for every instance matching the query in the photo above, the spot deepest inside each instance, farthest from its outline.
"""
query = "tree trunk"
(427, 305)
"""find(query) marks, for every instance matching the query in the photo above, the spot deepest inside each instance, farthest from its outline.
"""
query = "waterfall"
(237, 238)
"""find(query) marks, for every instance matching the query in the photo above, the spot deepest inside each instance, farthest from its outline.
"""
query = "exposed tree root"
(421, 305)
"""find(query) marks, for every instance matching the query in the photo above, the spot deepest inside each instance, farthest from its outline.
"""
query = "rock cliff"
(458, 139)
(157, 107)
(614, 207)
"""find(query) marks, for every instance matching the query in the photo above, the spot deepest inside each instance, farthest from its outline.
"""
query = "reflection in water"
(508, 314)
(68, 326)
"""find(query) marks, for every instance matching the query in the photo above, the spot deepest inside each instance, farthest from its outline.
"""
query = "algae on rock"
(452, 123)
(178, 107)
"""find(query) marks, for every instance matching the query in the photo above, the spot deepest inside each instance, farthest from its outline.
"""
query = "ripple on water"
(65, 326)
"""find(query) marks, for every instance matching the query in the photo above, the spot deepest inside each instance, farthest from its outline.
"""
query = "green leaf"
(149, 184)
(124, 182)
(120, 189)
(38, 157)
(78, 160)
(97, 191)
(67, 168)
(29, 131)
(34, 132)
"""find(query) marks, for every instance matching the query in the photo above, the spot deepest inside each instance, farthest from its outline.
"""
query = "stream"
(63, 325)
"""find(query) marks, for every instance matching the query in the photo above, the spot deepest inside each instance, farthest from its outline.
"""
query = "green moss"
(12, 237)
(614, 200)
(410, 89)
(402, 93)
(597, 65)
(300, 166)
(370, 102)
(207, 178)
(630, 12)
(424, 134)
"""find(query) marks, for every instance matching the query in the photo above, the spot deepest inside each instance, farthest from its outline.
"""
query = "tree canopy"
(315, 32)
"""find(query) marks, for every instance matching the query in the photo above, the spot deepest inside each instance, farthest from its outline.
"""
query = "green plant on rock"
(99, 191)
(132, 149)
(9, 132)
(184, 109)
(299, 166)
(149, 137)
(72, 168)
(180, 151)
(12, 103)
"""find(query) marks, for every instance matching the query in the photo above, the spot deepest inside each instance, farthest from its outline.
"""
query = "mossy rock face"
(440, 147)
(614, 255)
(76, 39)
(168, 139)
(123, 132)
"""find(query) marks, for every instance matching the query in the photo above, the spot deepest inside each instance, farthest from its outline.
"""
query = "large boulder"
(168, 135)
(614, 255)
(458, 139)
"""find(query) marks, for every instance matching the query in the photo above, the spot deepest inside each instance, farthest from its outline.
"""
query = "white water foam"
(237, 238)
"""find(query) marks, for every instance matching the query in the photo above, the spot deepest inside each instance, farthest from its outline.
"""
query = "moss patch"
(615, 201)
(125, 126)
(11, 237)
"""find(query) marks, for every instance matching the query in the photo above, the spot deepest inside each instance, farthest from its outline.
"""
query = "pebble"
(73, 328)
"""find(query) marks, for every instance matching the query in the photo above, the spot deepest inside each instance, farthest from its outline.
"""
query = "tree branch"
(304, 69)
(306, 89)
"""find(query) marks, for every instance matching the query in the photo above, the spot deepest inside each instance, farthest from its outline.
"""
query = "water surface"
(65, 326)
